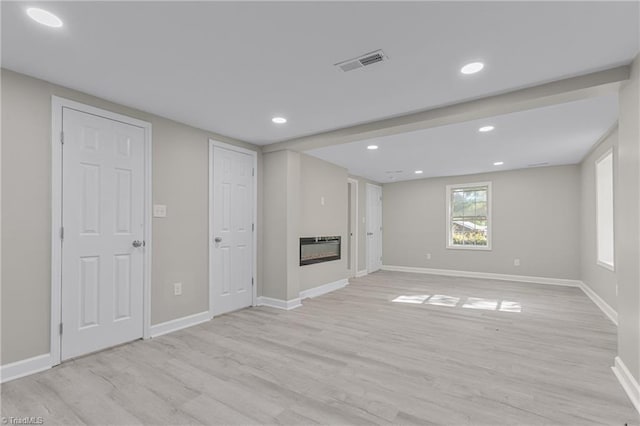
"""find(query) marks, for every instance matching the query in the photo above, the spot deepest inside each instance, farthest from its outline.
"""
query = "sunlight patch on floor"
(411, 299)
(480, 303)
(468, 303)
(443, 300)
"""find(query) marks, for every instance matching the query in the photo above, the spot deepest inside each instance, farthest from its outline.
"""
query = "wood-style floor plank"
(355, 356)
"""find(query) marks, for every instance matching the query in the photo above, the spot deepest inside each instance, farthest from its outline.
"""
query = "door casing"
(57, 104)
(254, 252)
(356, 235)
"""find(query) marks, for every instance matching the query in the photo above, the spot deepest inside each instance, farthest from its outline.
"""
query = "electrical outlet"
(322, 201)
(428, 256)
(177, 289)
(516, 262)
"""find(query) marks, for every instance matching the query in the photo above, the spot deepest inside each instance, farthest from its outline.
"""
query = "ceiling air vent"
(362, 61)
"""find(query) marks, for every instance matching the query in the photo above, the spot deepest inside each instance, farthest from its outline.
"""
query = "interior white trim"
(323, 289)
(25, 367)
(628, 382)
(179, 323)
(361, 273)
(279, 303)
(356, 233)
(148, 228)
(604, 306)
(57, 104)
(485, 275)
(254, 155)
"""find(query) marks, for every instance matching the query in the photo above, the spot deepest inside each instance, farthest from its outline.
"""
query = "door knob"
(218, 239)
(369, 233)
(137, 243)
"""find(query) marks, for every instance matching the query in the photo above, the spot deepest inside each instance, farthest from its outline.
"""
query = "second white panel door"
(232, 231)
(374, 227)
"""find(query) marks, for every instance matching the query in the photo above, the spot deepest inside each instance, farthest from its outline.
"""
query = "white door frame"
(356, 235)
(368, 220)
(57, 104)
(254, 264)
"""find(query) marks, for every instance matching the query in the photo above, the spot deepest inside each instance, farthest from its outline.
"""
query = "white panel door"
(103, 218)
(374, 227)
(352, 220)
(232, 231)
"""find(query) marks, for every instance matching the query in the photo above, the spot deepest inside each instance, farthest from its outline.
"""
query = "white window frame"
(599, 261)
(449, 207)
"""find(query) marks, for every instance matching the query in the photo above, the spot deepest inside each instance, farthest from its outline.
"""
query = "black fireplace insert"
(319, 249)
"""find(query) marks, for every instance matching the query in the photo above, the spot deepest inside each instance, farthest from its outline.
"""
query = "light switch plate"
(159, 210)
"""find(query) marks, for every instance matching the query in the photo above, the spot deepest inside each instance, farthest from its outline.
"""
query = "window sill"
(608, 266)
(472, 248)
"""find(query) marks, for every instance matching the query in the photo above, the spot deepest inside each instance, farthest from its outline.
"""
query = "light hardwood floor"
(356, 357)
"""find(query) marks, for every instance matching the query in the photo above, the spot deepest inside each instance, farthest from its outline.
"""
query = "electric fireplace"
(319, 249)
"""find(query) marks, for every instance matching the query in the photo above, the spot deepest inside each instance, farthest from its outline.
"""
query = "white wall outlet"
(428, 256)
(177, 289)
(516, 262)
(159, 210)
(322, 201)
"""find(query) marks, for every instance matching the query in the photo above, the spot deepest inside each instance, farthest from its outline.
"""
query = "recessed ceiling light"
(498, 163)
(44, 17)
(485, 129)
(372, 147)
(472, 68)
(279, 120)
(418, 172)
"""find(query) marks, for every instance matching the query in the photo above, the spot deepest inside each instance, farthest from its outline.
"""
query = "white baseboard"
(361, 273)
(323, 289)
(278, 303)
(43, 362)
(604, 306)
(628, 382)
(179, 323)
(485, 275)
(25, 367)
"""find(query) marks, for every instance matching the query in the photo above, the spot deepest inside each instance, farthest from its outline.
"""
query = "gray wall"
(281, 219)
(600, 279)
(180, 180)
(627, 212)
(294, 184)
(318, 179)
(535, 218)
